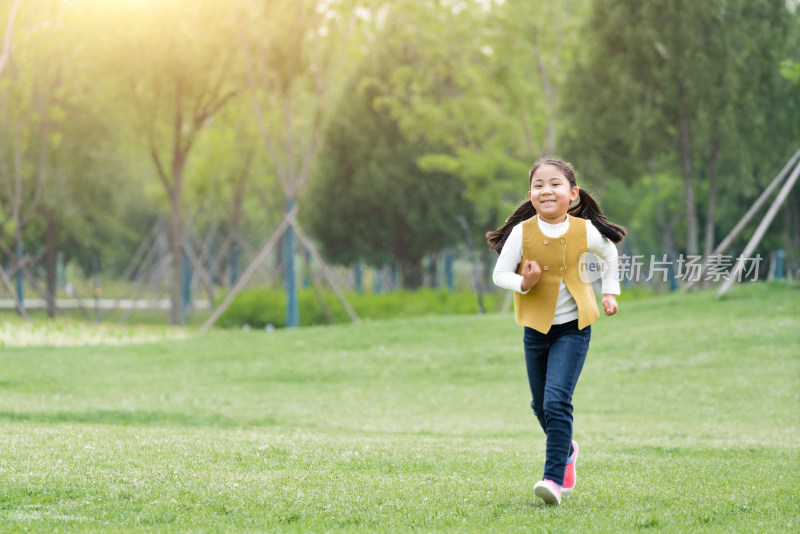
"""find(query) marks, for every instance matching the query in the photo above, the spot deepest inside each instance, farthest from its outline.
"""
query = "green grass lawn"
(687, 413)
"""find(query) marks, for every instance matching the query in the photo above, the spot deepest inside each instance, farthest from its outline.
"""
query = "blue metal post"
(448, 270)
(358, 271)
(61, 270)
(673, 280)
(292, 309)
(306, 274)
(234, 264)
(20, 277)
(377, 280)
(780, 260)
(186, 286)
(212, 259)
(97, 289)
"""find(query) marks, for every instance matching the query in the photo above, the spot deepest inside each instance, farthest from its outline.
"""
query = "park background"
(150, 150)
(340, 162)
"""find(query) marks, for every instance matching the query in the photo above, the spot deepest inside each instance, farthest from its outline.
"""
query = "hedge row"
(261, 307)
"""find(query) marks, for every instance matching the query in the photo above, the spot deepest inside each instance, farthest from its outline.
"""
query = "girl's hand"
(530, 274)
(610, 304)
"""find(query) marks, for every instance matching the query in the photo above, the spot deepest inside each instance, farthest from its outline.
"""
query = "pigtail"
(588, 208)
(497, 238)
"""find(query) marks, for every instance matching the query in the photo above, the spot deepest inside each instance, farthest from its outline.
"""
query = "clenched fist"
(530, 274)
(610, 304)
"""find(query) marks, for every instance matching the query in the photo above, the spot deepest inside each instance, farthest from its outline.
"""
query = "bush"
(260, 307)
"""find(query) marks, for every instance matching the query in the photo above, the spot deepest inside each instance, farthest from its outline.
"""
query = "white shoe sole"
(546, 494)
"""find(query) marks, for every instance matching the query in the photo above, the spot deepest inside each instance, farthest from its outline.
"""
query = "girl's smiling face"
(551, 193)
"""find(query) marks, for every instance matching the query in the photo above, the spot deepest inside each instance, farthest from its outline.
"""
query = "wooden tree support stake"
(762, 229)
(204, 276)
(326, 271)
(7, 284)
(249, 272)
(317, 290)
(762, 199)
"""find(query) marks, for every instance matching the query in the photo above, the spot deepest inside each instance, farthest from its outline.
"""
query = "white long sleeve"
(505, 270)
(607, 252)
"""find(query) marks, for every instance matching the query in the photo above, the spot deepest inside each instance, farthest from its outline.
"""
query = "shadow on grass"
(132, 418)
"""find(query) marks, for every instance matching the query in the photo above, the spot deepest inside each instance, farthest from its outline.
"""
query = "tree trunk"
(712, 197)
(666, 227)
(236, 217)
(412, 274)
(50, 256)
(19, 278)
(290, 272)
(487, 265)
(430, 279)
(692, 241)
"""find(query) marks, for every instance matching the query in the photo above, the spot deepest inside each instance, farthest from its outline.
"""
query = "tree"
(790, 70)
(668, 86)
(292, 50)
(480, 84)
(63, 185)
(233, 192)
(180, 69)
(32, 98)
(369, 200)
(531, 45)
(452, 89)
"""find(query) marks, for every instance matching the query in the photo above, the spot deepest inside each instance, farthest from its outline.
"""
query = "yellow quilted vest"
(559, 258)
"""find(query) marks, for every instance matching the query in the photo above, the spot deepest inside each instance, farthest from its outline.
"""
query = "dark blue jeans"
(554, 361)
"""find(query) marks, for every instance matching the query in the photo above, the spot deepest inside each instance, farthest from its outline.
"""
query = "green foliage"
(791, 71)
(231, 187)
(59, 150)
(481, 90)
(261, 307)
(667, 88)
(33, 90)
(650, 207)
(181, 68)
(368, 199)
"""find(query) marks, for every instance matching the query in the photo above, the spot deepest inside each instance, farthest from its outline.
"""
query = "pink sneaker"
(548, 491)
(570, 476)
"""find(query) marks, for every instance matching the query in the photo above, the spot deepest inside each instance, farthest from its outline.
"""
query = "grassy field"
(687, 413)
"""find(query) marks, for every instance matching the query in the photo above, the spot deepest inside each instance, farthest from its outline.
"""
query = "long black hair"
(586, 208)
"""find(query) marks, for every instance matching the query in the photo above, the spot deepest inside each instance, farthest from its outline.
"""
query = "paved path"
(104, 304)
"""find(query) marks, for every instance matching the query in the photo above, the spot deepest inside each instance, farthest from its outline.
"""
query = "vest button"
(561, 268)
(545, 268)
(545, 241)
(563, 240)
